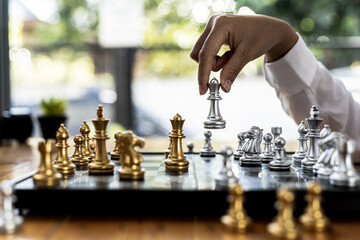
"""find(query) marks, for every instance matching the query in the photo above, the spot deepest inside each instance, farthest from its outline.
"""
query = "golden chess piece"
(78, 158)
(176, 161)
(236, 218)
(46, 176)
(168, 150)
(115, 154)
(85, 131)
(284, 225)
(130, 158)
(63, 164)
(101, 163)
(314, 218)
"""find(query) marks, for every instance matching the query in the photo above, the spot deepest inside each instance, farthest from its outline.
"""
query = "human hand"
(248, 37)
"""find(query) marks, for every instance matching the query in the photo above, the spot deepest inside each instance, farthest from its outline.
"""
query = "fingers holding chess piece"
(284, 225)
(131, 159)
(314, 218)
(63, 164)
(46, 176)
(115, 154)
(78, 158)
(236, 218)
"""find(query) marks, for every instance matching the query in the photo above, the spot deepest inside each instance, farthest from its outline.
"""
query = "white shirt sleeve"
(300, 81)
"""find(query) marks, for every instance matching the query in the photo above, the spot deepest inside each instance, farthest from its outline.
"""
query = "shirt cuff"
(293, 72)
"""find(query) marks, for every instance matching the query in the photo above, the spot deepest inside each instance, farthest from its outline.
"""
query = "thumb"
(230, 71)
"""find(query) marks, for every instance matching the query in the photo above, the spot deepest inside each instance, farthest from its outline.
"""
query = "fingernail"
(201, 91)
(227, 85)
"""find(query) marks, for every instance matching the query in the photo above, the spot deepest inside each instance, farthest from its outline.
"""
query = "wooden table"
(16, 160)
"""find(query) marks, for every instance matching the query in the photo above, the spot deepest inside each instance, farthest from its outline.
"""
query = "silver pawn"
(302, 148)
(214, 119)
(344, 172)
(328, 156)
(267, 154)
(239, 152)
(226, 175)
(190, 146)
(326, 131)
(207, 150)
(279, 163)
(276, 132)
(313, 154)
(10, 221)
(252, 148)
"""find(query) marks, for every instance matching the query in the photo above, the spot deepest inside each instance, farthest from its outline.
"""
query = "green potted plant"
(54, 114)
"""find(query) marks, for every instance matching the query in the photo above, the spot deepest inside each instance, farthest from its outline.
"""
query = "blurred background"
(133, 57)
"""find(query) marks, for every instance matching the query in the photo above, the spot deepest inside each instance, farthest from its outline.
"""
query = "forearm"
(300, 82)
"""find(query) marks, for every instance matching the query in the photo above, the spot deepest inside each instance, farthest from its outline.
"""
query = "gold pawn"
(314, 218)
(85, 131)
(101, 163)
(78, 158)
(63, 164)
(168, 150)
(236, 218)
(130, 158)
(284, 225)
(46, 176)
(115, 154)
(177, 162)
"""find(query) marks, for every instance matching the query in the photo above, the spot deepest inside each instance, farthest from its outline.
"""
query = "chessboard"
(194, 193)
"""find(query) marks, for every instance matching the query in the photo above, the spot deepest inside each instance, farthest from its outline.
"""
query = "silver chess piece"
(239, 152)
(190, 146)
(328, 156)
(252, 148)
(326, 131)
(214, 119)
(226, 175)
(313, 154)
(344, 172)
(207, 150)
(276, 132)
(280, 163)
(302, 148)
(10, 221)
(267, 154)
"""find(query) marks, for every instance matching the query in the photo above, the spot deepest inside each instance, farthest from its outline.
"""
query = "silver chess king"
(214, 119)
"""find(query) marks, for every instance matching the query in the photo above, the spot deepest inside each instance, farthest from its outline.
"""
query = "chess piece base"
(313, 224)
(343, 180)
(250, 160)
(266, 159)
(80, 163)
(47, 181)
(237, 155)
(278, 231)
(115, 156)
(97, 169)
(307, 164)
(204, 153)
(176, 165)
(279, 165)
(65, 170)
(296, 159)
(126, 174)
(214, 124)
(238, 226)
